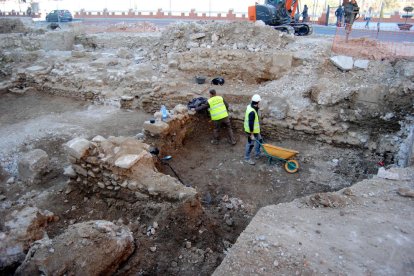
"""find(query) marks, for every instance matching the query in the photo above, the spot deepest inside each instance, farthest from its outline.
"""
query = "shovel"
(164, 160)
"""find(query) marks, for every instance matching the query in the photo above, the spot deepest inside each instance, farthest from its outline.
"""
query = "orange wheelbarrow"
(282, 154)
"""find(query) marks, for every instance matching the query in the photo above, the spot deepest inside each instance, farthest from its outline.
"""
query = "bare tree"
(392, 5)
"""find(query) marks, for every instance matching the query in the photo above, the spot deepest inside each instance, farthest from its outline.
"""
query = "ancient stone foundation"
(120, 167)
(123, 167)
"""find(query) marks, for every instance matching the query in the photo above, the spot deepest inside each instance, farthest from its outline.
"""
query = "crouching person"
(218, 108)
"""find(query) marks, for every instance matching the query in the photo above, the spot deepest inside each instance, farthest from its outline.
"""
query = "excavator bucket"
(251, 11)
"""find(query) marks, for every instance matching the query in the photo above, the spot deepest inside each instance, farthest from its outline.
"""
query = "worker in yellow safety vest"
(219, 114)
(252, 129)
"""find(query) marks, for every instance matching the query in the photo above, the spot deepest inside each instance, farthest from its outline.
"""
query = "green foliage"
(408, 9)
(406, 16)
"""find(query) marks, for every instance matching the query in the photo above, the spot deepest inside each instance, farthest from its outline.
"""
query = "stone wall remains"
(120, 167)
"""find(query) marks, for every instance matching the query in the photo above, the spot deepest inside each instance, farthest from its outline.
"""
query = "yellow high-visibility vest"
(218, 109)
(256, 126)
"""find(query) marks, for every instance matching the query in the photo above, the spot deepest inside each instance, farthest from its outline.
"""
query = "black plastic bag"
(196, 102)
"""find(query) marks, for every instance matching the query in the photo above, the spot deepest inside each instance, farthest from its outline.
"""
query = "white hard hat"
(256, 98)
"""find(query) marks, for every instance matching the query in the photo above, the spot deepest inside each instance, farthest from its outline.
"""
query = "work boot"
(214, 142)
(250, 162)
(258, 156)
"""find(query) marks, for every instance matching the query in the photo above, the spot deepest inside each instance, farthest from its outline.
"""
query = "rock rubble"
(100, 247)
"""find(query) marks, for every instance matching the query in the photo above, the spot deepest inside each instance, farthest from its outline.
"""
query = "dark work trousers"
(226, 123)
(252, 143)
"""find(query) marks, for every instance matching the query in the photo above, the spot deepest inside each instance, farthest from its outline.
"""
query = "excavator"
(280, 14)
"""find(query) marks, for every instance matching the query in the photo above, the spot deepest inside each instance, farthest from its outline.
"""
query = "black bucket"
(200, 80)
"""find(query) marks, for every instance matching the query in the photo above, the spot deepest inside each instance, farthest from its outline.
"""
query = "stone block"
(79, 170)
(98, 138)
(32, 164)
(173, 64)
(197, 36)
(78, 47)
(180, 109)
(326, 92)
(361, 64)
(35, 68)
(372, 96)
(126, 161)
(344, 63)
(21, 229)
(280, 63)
(78, 54)
(124, 53)
(77, 147)
(192, 44)
(69, 171)
(104, 62)
(158, 116)
(158, 127)
(408, 69)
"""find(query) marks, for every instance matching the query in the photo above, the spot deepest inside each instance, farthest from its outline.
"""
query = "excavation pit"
(347, 126)
(188, 237)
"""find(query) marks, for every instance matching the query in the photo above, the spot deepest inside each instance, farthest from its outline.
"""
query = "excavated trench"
(217, 171)
(194, 236)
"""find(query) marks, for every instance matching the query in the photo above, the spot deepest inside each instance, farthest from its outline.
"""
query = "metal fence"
(374, 44)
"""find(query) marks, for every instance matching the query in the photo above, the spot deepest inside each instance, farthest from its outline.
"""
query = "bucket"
(200, 80)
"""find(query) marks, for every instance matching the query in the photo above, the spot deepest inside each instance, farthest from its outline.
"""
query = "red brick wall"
(159, 14)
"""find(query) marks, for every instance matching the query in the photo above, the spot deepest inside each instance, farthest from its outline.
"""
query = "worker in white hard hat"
(252, 129)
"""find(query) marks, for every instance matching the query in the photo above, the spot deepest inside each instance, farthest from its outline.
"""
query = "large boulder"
(326, 92)
(21, 229)
(88, 248)
(77, 147)
(33, 164)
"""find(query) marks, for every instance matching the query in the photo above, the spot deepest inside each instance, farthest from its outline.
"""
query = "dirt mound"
(236, 35)
(134, 27)
(12, 26)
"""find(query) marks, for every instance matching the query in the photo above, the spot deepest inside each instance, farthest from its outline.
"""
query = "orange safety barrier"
(373, 44)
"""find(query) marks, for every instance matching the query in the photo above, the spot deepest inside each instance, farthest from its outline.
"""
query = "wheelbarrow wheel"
(291, 166)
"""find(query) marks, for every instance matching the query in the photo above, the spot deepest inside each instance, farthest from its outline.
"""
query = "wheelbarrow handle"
(257, 141)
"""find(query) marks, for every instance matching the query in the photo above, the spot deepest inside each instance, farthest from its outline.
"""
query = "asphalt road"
(383, 35)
